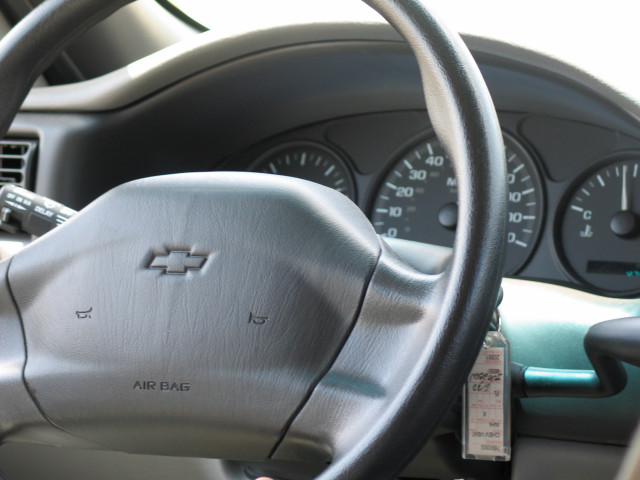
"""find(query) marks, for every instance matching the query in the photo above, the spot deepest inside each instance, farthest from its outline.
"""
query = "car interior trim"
(142, 78)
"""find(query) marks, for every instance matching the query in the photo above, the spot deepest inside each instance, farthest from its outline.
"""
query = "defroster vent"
(16, 157)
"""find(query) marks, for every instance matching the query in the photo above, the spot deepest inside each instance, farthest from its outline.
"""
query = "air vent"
(16, 157)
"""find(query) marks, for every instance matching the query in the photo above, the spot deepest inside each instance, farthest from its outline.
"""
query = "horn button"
(192, 314)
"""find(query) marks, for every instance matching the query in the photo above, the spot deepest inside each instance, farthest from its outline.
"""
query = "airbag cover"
(191, 314)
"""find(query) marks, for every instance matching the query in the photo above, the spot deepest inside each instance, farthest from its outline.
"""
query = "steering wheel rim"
(462, 115)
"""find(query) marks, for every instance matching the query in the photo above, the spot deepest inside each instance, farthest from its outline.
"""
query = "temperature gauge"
(600, 227)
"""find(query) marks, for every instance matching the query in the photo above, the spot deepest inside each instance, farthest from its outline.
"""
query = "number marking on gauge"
(425, 207)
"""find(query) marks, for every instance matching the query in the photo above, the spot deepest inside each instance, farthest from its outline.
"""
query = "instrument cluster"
(580, 227)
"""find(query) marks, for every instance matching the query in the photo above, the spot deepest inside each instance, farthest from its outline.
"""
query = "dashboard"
(344, 107)
(571, 189)
(360, 103)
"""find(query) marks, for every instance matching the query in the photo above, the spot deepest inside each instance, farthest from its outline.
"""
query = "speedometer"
(417, 199)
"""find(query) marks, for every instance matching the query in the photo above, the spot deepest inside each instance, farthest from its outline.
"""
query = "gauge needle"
(625, 193)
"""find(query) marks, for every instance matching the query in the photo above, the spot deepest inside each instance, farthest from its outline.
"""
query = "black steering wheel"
(245, 316)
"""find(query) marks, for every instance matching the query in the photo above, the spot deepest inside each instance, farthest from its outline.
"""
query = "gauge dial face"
(309, 161)
(600, 227)
(417, 200)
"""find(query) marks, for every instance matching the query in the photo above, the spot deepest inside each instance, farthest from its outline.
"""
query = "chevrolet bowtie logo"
(177, 262)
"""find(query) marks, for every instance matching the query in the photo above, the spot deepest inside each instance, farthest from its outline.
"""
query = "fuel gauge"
(599, 232)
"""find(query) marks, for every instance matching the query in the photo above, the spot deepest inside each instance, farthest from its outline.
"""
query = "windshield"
(593, 36)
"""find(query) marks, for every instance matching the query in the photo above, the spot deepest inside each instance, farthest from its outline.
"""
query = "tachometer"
(417, 200)
(309, 161)
(600, 227)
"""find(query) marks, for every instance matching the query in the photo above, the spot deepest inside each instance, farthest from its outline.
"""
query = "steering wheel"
(244, 316)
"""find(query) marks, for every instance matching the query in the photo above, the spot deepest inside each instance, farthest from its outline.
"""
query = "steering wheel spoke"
(384, 351)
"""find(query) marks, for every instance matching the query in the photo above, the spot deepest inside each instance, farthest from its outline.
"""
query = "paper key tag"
(486, 408)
